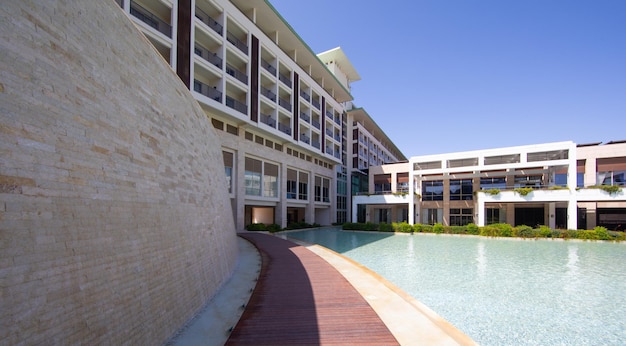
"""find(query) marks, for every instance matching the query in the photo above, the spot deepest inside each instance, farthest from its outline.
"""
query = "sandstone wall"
(115, 223)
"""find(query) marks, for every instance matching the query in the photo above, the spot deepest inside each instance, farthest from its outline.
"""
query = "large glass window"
(270, 180)
(461, 217)
(228, 167)
(494, 215)
(461, 189)
(292, 184)
(432, 190)
(382, 183)
(326, 190)
(432, 216)
(403, 182)
(303, 186)
(253, 172)
(612, 178)
(528, 181)
(487, 183)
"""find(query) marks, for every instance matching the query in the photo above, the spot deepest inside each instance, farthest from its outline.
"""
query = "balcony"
(268, 93)
(305, 96)
(147, 17)
(329, 133)
(240, 76)
(210, 22)
(284, 128)
(210, 92)
(285, 79)
(304, 138)
(337, 137)
(329, 114)
(208, 56)
(329, 150)
(236, 105)
(284, 103)
(315, 103)
(268, 120)
(315, 124)
(316, 144)
(305, 117)
(237, 42)
(268, 67)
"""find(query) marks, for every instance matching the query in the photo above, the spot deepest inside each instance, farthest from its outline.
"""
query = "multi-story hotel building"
(280, 110)
(566, 183)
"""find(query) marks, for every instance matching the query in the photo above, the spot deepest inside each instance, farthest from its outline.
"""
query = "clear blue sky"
(442, 76)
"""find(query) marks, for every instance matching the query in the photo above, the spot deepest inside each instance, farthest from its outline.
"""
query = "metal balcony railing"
(305, 117)
(208, 55)
(237, 42)
(268, 93)
(236, 105)
(268, 120)
(285, 79)
(315, 103)
(304, 138)
(305, 95)
(315, 124)
(316, 144)
(267, 66)
(284, 128)
(284, 103)
(147, 17)
(209, 21)
(240, 76)
(210, 92)
(329, 114)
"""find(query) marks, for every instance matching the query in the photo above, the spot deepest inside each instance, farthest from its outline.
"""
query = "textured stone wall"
(115, 223)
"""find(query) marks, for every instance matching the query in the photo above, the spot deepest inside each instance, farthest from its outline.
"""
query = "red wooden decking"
(300, 299)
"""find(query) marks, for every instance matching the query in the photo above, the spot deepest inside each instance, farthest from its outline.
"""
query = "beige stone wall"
(115, 223)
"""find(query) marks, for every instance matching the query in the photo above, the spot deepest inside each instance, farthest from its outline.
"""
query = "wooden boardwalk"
(300, 299)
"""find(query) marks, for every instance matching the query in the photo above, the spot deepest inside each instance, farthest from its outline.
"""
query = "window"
(382, 183)
(292, 184)
(461, 189)
(432, 216)
(253, 177)
(403, 182)
(326, 190)
(432, 190)
(528, 181)
(461, 217)
(494, 215)
(303, 186)
(318, 189)
(270, 180)
(228, 167)
(492, 183)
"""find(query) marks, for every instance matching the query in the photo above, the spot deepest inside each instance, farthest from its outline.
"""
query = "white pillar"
(552, 215)
(480, 209)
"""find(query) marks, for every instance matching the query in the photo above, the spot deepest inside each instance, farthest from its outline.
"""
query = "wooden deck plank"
(300, 299)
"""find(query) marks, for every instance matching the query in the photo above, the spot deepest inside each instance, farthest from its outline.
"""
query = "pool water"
(501, 291)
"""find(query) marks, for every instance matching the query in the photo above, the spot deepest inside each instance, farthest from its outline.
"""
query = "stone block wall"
(115, 222)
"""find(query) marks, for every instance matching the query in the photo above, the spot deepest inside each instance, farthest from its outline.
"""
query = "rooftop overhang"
(339, 57)
(361, 116)
(268, 20)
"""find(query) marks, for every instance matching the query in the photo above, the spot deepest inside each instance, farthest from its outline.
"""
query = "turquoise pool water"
(501, 291)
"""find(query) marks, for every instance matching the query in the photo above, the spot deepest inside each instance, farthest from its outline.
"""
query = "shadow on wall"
(115, 226)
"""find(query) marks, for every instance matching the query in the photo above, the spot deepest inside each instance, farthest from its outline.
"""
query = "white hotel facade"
(283, 114)
(479, 187)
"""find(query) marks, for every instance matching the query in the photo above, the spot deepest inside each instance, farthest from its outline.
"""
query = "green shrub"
(402, 227)
(369, 226)
(523, 191)
(492, 192)
(418, 227)
(385, 227)
(456, 229)
(438, 228)
(544, 231)
(524, 231)
(256, 227)
(273, 228)
(602, 233)
(472, 229)
(427, 228)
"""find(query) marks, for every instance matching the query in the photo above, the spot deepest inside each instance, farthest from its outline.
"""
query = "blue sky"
(442, 76)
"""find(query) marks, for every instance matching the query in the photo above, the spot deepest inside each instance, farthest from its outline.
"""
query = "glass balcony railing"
(315, 103)
(316, 144)
(209, 21)
(236, 105)
(267, 66)
(210, 92)
(268, 93)
(285, 79)
(147, 17)
(208, 55)
(268, 120)
(304, 138)
(237, 42)
(315, 124)
(284, 103)
(305, 117)
(329, 114)
(305, 96)
(240, 76)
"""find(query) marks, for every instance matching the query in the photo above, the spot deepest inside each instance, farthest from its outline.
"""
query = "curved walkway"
(300, 299)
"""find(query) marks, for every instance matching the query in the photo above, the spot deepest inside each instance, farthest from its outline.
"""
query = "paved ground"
(307, 294)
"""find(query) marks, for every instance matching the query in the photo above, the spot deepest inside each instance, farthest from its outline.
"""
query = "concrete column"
(591, 215)
(552, 215)
(240, 190)
(411, 198)
(446, 201)
(572, 214)
(281, 208)
(480, 210)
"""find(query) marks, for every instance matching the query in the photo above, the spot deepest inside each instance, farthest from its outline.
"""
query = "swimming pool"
(501, 291)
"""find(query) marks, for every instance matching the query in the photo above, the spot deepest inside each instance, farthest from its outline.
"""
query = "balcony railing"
(209, 21)
(338, 120)
(337, 137)
(338, 155)
(147, 17)
(305, 117)
(305, 95)
(329, 151)
(267, 66)
(284, 103)
(315, 124)
(329, 114)
(304, 138)
(285, 79)
(315, 103)
(240, 76)
(236, 105)
(208, 55)
(210, 92)
(329, 133)
(284, 128)
(268, 93)
(316, 144)
(237, 42)
(268, 120)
